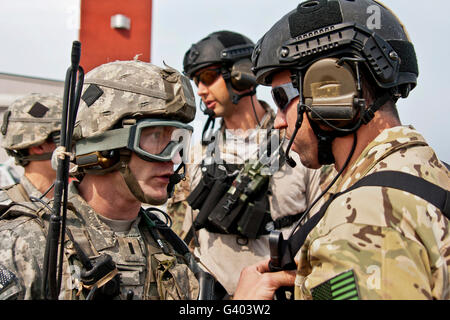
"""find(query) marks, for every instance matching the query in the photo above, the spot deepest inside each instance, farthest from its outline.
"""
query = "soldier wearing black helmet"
(382, 233)
(220, 66)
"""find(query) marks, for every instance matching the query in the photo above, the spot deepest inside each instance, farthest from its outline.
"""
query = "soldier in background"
(339, 81)
(31, 129)
(130, 130)
(220, 66)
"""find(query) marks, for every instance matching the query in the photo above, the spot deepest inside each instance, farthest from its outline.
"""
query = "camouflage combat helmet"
(132, 89)
(119, 100)
(30, 121)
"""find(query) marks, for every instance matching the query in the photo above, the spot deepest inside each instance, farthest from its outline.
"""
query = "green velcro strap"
(342, 287)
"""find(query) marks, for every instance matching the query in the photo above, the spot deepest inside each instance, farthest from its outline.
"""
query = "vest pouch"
(224, 215)
(218, 190)
(255, 217)
(175, 281)
(222, 182)
(200, 193)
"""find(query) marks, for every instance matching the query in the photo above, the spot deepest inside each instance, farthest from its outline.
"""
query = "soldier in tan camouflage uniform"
(233, 101)
(30, 132)
(130, 131)
(388, 243)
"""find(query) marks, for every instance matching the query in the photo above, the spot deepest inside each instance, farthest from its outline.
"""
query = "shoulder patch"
(342, 287)
(6, 277)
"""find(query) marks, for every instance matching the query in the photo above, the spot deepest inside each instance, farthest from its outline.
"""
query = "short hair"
(372, 91)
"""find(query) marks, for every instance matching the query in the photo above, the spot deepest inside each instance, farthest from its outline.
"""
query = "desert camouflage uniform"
(22, 238)
(397, 244)
(177, 206)
(290, 192)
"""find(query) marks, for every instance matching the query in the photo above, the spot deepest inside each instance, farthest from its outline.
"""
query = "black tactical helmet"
(221, 47)
(331, 28)
(232, 51)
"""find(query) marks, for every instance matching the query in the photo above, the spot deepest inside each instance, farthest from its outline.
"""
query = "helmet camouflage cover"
(132, 89)
(30, 120)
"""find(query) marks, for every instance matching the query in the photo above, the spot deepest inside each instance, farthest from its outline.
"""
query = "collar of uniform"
(101, 235)
(266, 121)
(387, 142)
(31, 189)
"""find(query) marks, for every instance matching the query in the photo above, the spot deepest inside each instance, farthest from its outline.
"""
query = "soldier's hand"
(258, 283)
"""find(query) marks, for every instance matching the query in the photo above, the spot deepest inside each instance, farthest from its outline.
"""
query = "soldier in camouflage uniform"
(130, 131)
(233, 101)
(392, 243)
(30, 130)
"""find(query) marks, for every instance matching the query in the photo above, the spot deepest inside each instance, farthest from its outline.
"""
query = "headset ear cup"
(331, 92)
(242, 78)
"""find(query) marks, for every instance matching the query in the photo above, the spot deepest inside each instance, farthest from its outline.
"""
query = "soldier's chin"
(156, 201)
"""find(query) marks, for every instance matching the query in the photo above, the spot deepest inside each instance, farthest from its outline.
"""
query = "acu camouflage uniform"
(290, 192)
(397, 244)
(20, 246)
(143, 267)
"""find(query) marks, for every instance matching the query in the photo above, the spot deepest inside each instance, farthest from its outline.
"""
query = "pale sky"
(37, 35)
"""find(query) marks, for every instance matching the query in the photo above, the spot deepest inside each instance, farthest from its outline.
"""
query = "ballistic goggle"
(151, 139)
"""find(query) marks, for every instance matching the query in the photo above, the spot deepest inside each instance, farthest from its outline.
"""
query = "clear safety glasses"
(161, 140)
(283, 95)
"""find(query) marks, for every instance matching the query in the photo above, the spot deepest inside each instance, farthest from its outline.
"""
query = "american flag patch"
(6, 277)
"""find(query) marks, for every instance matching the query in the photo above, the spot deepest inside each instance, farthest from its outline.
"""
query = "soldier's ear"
(45, 147)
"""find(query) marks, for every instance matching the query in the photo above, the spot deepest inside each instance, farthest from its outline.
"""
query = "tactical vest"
(151, 264)
(233, 199)
(11, 195)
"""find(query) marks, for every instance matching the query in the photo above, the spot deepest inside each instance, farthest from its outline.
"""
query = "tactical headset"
(232, 51)
(330, 92)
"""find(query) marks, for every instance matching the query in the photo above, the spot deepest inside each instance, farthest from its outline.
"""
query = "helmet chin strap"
(300, 113)
(301, 108)
(135, 188)
(235, 97)
(209, 123)
(24, 160)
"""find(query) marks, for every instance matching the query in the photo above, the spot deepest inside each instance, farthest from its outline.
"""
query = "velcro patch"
(341, 287)
(38, 110)
(92, 93)
(6, 277)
